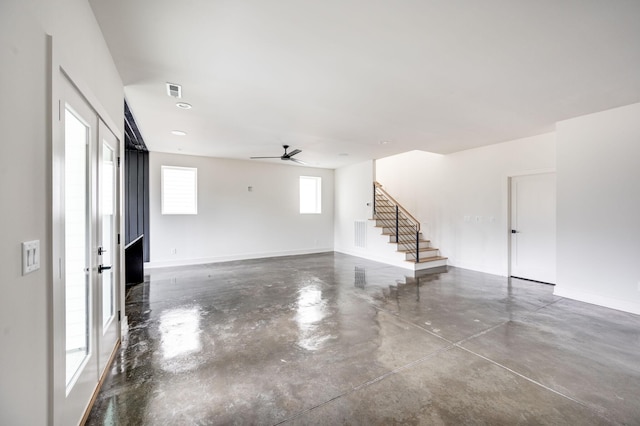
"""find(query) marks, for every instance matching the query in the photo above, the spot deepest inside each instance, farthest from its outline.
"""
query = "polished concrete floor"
(332, 339)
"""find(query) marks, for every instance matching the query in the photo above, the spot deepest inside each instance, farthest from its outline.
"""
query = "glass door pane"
(77, 253)
(108, 248)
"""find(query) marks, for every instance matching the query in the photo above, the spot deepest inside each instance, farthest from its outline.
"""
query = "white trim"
(410, 266)
(218, 259)
(317, 180)
(594, 299)
(167, 208)
(509, 178)
(532, 172)
(60, 80)
(365, 254)
(476, 267)
(91, 99)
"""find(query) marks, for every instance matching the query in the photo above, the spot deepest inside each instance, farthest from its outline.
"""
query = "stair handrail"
(378, 186)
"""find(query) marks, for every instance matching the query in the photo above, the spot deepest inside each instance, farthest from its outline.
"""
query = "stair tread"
(421, 249)
(429, 259)
(400, 233)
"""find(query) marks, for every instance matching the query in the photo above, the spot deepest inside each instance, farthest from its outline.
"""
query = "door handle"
(103, 268)
(101, 251)
(513, 231)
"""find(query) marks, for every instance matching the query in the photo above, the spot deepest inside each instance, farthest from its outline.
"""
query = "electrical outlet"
(174, 251)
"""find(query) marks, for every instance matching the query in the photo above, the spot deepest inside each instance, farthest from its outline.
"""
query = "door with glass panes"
(86, 198)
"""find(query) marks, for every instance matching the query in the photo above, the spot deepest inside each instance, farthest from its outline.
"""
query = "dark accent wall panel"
(137, 197)
(136, 160)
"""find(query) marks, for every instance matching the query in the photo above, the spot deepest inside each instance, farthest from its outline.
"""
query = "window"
(179, 190)
(310, 195)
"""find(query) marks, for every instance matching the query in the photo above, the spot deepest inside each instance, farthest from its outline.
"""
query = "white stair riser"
(385, 219)
(423, 255)
(429, 265)
(405, 240)
(412, 245)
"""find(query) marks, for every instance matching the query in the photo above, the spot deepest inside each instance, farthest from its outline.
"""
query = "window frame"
(318, 195)
(164, 209)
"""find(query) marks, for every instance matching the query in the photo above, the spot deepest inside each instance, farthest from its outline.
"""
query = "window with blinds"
(179, 190)
(310, 195)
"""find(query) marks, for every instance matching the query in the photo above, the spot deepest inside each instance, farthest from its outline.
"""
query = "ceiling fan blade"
(294, 152)
(297, 161)
(255, 158)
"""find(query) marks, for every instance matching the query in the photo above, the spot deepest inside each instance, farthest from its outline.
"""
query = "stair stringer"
(381, 250)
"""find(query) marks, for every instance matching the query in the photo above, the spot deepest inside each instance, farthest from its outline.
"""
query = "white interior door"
(107, 245)
(533, 227)
(85, 293)
(78, 349)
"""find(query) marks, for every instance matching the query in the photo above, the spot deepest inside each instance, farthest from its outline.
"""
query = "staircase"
(403, 230)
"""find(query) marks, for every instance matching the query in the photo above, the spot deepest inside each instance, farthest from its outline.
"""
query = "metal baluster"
(374, 200)
(397, 234)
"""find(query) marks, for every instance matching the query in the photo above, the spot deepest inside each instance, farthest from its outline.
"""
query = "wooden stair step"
(412, 233)
(421, 249)
(429, 259)
(410, 242)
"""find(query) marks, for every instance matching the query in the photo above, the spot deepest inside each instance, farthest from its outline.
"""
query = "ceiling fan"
(287, 156)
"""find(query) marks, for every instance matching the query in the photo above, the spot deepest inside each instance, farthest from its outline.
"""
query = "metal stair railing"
(388, 211)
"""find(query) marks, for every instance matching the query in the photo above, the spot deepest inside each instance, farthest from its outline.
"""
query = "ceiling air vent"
(174, 90)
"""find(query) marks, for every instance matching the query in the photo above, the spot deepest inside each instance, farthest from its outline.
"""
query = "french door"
(86, 196)
(107, 245)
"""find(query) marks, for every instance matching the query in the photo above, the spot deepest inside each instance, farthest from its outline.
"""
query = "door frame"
(57, 74)
(112, 328)
(509, 179)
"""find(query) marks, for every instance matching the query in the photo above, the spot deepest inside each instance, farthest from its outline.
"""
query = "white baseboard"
(229, 258)
(367, 255)
(478, 268)
(595, 299)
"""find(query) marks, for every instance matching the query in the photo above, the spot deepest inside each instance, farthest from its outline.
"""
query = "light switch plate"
(30, 256)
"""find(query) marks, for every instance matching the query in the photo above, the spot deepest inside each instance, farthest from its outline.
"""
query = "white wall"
(233, 223)
(476, 184)
(416, 180)
(598, 237)
(354, 196)
(23, 305)
(25, 182)
(354, 189)
(444, 190)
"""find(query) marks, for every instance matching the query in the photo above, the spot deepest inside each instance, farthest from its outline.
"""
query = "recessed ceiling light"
(183, 105)
(343, 154)
(178, 133)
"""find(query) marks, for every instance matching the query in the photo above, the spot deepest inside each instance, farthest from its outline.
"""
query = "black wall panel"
(137, 197)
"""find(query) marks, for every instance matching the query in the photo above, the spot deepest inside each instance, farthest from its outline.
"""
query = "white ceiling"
(339, 77)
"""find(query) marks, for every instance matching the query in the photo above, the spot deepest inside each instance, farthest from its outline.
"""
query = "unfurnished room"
(320, 213)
